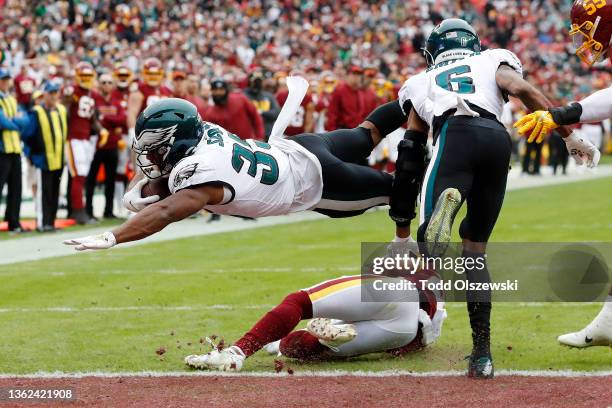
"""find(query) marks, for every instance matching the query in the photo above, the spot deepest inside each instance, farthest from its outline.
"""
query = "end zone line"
(297, 373)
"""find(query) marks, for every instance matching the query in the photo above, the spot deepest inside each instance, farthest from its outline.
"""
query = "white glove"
(102, 241)
(580, 149)
(431, 329)
(133, 200)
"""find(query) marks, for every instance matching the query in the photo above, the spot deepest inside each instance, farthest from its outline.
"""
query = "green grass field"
(226, 281)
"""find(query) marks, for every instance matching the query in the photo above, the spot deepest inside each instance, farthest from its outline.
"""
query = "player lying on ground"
(592, 33)
(461, 97)
(213, 169)
(343, 325)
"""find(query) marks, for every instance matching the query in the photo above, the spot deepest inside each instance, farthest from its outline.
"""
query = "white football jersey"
(445, 85)
(264, 179)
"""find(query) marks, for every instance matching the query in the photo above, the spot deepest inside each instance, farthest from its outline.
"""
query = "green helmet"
(451, 34)
(166, 132)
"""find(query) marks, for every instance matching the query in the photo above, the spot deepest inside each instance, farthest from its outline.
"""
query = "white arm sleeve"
(597, 107)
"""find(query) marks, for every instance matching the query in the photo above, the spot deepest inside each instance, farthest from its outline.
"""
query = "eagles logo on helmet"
(152, 72)
(84, 75)
(166, 132)
(591, 30)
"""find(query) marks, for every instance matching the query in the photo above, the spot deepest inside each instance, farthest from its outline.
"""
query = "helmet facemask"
(152, 148)
(588, 49)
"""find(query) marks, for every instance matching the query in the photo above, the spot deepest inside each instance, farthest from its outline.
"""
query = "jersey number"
(452, 80)
(86, 107)
(241, 155)
(591, 6)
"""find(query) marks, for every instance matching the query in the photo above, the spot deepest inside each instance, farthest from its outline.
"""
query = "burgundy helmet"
(591, 29)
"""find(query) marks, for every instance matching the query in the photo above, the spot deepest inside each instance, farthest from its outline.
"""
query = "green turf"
(242, 274)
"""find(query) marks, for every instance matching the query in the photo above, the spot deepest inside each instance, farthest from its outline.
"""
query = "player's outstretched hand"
(540, 123)
(582, 150)
(102, 241)
(133, 200)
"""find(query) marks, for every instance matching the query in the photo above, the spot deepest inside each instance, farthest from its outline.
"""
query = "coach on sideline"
(11, 122)
(46, 139)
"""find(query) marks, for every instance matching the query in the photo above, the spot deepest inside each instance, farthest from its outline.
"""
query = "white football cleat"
(597, 333)
(330, 333)
(229, 359)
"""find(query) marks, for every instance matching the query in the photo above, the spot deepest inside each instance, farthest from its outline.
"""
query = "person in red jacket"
(113, 118)
(80, 100)
(347, 106)
(234, 112)
(24, 87)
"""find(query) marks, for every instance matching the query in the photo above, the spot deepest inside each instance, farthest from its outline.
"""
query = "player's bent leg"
(409, 172)
(301, 345)
(331, 333)
(275, 325)
(596, 333)
(384, 120)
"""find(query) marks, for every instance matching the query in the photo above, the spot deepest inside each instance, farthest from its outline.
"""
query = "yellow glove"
(103, 138)
(539, 122)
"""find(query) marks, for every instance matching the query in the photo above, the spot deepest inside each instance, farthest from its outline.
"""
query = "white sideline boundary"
(325, 373)
(223, 306)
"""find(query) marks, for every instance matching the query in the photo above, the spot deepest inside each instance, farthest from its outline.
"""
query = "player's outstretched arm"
(514, 84)
(153, 218)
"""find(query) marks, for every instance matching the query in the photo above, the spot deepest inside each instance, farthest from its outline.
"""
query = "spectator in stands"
(234, 112)
(10, 152)
(46, 139)
(347, 106)
(193, 93)
(264, 101)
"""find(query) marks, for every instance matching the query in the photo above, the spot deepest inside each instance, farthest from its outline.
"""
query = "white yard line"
(298, 373)
(50, 246)
(189, 308)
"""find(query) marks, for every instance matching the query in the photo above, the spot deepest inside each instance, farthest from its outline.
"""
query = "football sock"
(277, 323)
(76, 192)
(479, 306)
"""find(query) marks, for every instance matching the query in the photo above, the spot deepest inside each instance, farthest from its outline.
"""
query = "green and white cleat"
(330, 333)
(438, 232)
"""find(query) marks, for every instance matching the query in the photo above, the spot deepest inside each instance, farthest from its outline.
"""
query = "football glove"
(133, 200)
(540, 123)
(581, 149)
(102, 241)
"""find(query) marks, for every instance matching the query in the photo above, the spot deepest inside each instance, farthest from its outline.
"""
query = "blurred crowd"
(108, 59)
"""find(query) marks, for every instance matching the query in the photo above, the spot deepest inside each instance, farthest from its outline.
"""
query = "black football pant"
(10, 174)
(349, 187)
(108, 158)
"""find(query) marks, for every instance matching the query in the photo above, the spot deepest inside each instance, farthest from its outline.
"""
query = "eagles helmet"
(453, 38)
(166, 132)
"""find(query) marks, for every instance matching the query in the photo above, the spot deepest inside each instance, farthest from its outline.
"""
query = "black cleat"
(480, 367)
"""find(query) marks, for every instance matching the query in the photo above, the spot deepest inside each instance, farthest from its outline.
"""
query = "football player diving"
(460, 97)
(207, 167)
(592, 34)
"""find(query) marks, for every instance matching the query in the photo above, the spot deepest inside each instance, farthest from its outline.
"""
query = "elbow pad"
(387, 117)
(567, 115)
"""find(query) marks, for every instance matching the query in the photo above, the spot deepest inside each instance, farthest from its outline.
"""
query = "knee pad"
(409, 172)
(387, 117)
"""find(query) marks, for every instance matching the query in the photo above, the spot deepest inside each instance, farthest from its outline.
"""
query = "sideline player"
(461, 97)
(592, 33)
(211, 168)
(343, 324)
